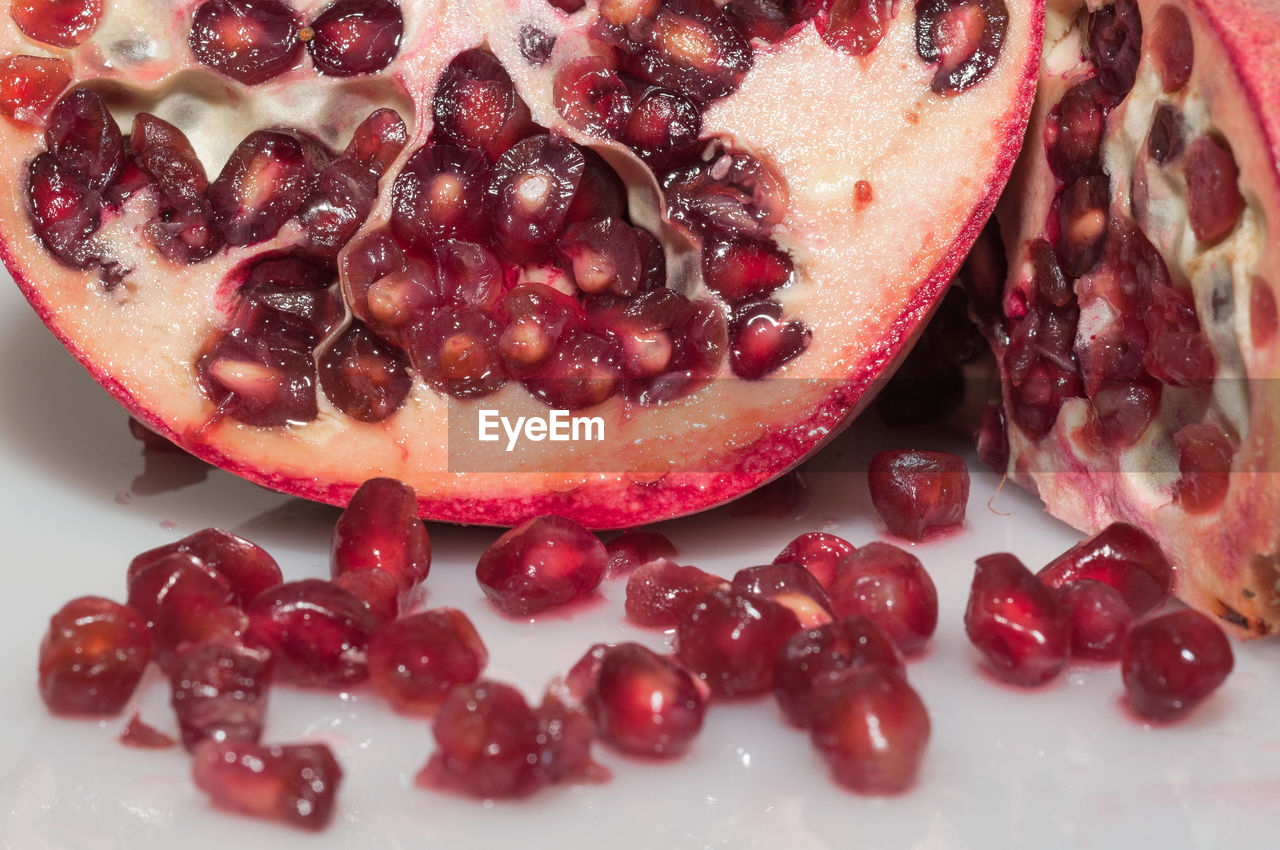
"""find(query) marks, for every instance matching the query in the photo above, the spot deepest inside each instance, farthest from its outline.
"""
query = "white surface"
(1064, 766)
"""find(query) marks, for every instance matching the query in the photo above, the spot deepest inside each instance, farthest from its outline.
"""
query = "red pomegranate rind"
(808, 655)
(416, 660)
(730, 640)
(1017, 622)
(660, 594)
(888, 276)
(92, 657)
(544, 563)
(890, 587)
(1173, 662)
(1122, 556)
(1193, 187)
(914, 491)
(295, 785)
(317, 633)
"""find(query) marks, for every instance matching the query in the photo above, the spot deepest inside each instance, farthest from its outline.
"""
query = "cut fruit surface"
(317, 264)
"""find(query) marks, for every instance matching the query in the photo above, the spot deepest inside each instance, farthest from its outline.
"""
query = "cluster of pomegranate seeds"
(1172, 662)
(297, 784)
(890, 587)
(414, 661)
(1121, 556)
(808, 655)
(543, 563)
(914, 491)
(92, 657)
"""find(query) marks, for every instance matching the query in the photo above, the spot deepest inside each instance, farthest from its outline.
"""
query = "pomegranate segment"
(380, 530)
(731, 639)
(543, 563)
(1173, 662)
(645, 705)
(890, 587)
(92, 657)
(219, 692)
(809, 655)
(1018, 623)
(416, 660)
(295, 785)
(1122, 556)
(317, 633)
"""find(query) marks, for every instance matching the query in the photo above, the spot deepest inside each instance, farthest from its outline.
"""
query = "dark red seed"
(378, 140)
(890, 587)
(660, 594)
(1074, 131)
(565, 734)
(791, 585)
(532, 186)
(1082, 223)
(570, 6)
(143, 736)
(540, 564)
(1205, 455)
(1173, 662)
(731, 639)
(248, 40)
(267, 179)
(364, 377)
(475, 105)
(1122, 556)
(219, 692)
(745, 269)
(818, 552)
(583, 370)
(538, 317)
(645, 705)
(378, 591)
(1100, 619)
(1214, 202)
(633, 549)
(416, 660)
(810, 654)
(992, 439)
(29, 85)
(600, 193)
(295, 785)
(317, 632)
(60, 23)
(1115, 45)
(603, 255)
(356, 37)
(380, 530)
(766, 20)
(1121, 412)
(1017, 622)
(535, 45)
(345, 193)
(264, 379)
(734, 193)
(85, 138)
(691, 47)
(65, 212)
(662, 126)
(457, 351)
(246, 566)
(1167, 137)
(761, 342)
(92, 657)
(157, 576)
(190, 614)
(183, 230)
(870, 727)
(857, 27)
(914, 491)
(440, 193)
(591, 96)
(1172, 48)
(964, 37)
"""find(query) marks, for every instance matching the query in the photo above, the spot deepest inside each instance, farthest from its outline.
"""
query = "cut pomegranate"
(644, 704)
(219, 692)
(380, 530)
(92, 657)
(414, 661)
(809, 655)
(914, 491)
(731, 639)
(661, 593)
(296, 785)
(790, 584)
(890, 587)
(1017, 622)
(706, 239)
(819, 553)
(543, 563)
(1100, 619)
(1122, 556)
(317, 633)
(1173, 662)
(486, 743)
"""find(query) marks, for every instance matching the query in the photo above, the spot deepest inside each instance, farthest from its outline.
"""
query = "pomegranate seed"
(565, 734)
(1017, 622)
(486, 743)
(992, 439)
(661, 593)
(870, 727)
(602, 194)
(692, 47)
(475, 105)
(583, 370)
(644, 704)
(791, 585)
(1205, 453)
(540, 564)
(1122, 556)
(730, 640)
(663, 126)
(191, 614)
(744, 269)
(344, 195)
(914, 491)
(808, 655)
(414, 661)
(379, 592)
(61, 23)
(766, 20)
(440, 193)
(29, 85)
(818, 552)
(264, 379)
(603, 255)
(761, 342)
(1115, 45)
(143, 736)
(457, 352)
(1166, 140)
(267, 179)
(734, 193)
(1082, 219)
(380, 530)
(592, 97)
(176, 570)
(317, 632)
(580, 682)
(568, 5)
(65, 211)
(1214, 202)
(245, 566)
(964, 37)
(92, 657)
(532, 187)
(857, 27)
(1172, 662)
(535, 45)
(890, 587)
(219, 692)
(1172, 48)
(1074, 131)
(296, 785)
(377, 141)
(250, 41)
(356, 37)
(1100, 619)
(1264, 318)
(84, 137)
(364, 377)
(633, 549)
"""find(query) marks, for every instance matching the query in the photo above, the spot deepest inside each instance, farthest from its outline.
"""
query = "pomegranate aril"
(364, 377)
(791, 585)
(245, 566)
(84, 137)
(532, 187)
(600, 194)
(1214, 202)
(761, 342)
(1074, 131)
(766, 20)
(568, 5)
(475, 105)
(65, 212)
(265, 380)
(379, 592)
(175, 569)
(457, 352)
(377, 141)
(810, 654)
(266, 180)
(540, 564)
(143, 736)
(819, 553)
(584, 369)
(992, 439)
(870, 727)
(691, 47)
(1172, 48)
(189, 615)
(1173, 662)
(1115, 45)
(60, 23)
(1082, 219)
(661, 593)
(440, 193)
(345, 193)
(1121, 412)
(965, 38)
(535, 45)
(1166, 139)
(316, 631)
(591, 96)
(1017, 622)
(219, 691)
(1178, 352)
(295, 784)
(890, 587)
(645, 705)
(250, 41)
(1100, 619)
(663, 125)
(914, 491)
(603, 256)
(416, 660)
(1122, 556)
(356, 37)
(29, 85)
(857, 27)
(183, 230)
(380, 530)
(1205, 455)
(731, 193)
(470, 276)
(1264, 318)
(744, 269)
(731, 639)
(566, 731)
(633, 549)
(92, 657)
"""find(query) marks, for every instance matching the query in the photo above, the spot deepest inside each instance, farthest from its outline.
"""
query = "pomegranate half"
(312, 242)
(1136, 327)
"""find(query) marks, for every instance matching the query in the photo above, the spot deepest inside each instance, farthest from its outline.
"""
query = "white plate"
(1064, 766)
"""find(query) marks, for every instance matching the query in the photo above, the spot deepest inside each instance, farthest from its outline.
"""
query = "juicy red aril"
(870, 727)
(1172, 662)
(603, 256)
(1074, 130)
(1115, 45)
(268, 177)
(692, 47)
(1214, 202)
(245, 566)
(364, 377)
(1100, 619)
(92, 657)
(964, 37)
(810, 654)
(356, 37)
(584, 369)
(539, 317)
(662, 125)
(28, 86)
(644, 704)
(176, 570)
(295, 785)
(1082, 221)
(731, 639)
(379, 592)
(65, 211)
(1172, 47)
(766, 20)
(265, 379)
(914, 490)
(414, 661)
(60, 23)
(457, 352)
(890, 587)
(317, 632)
(1017, 622)
(219, 692)
(568, 5)
(661, 593)
(190, 614)
(535, 45)
(602, 194)
(1122, 556)
(744, 269)
(591, 96)
(248, 40)
(475, 104)
(857, 27)
(84, 137)
(791, 585)
(380, 530)
(734, 193)
(633, 549)
(182, 230)
(565, 734)
(1205, 453)
(486, 743)
(439, 193)
(761, 342)
(532, 187)
(142, 736)
(818, 552)
(540, 564)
